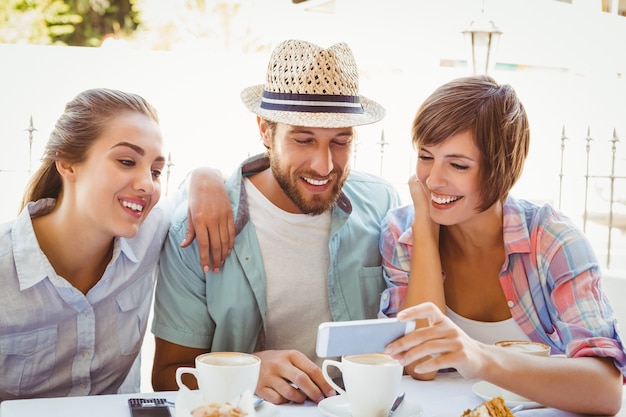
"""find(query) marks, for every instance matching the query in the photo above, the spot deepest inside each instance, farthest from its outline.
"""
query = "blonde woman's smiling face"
(450, 171)
(118, 183)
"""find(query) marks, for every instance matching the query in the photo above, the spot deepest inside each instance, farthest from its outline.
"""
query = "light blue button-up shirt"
(226, 311)
(56, 341)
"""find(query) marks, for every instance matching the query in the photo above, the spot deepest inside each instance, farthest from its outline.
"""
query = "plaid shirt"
(550, 278)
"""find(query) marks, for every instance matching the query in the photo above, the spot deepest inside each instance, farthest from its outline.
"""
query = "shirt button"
(385, 296)
(510, 303)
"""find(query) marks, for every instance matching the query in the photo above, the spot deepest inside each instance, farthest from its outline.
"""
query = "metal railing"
(31, 129)
(575, 172)
(609, 179)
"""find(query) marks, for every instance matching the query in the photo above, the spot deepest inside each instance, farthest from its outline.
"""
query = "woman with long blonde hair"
(78, 266)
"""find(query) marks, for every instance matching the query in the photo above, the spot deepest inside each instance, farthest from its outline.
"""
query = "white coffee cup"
(223, 376)
(522, 346)
(372, 382)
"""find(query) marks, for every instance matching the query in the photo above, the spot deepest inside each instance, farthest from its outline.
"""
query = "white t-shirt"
(296, 259)
(488, 332)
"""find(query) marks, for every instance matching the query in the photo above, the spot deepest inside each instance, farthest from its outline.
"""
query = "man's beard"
(315, 205)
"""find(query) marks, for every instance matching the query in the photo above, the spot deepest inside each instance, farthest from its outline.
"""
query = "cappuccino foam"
(227, 359)
(523, 346)
(372, 359)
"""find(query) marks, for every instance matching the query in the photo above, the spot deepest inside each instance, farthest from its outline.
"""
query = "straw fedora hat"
(309, 86)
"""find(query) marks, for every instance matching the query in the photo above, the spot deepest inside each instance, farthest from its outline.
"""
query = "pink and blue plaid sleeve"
(395, 247)
(588, 325)
(562, 297)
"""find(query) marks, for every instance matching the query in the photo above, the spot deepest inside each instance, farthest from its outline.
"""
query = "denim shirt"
(56, 341)
(226, 311)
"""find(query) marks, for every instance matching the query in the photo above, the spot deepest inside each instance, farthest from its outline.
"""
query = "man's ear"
(66, 169)
(264, 131)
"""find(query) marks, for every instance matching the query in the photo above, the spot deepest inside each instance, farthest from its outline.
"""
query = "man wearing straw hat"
(307, 230)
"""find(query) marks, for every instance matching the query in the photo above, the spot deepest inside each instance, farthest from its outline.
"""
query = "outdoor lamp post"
(482, 37)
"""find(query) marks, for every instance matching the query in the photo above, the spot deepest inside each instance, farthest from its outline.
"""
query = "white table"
(448, 395)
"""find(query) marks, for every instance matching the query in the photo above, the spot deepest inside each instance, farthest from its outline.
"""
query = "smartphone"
(352, 337)
(149, 407)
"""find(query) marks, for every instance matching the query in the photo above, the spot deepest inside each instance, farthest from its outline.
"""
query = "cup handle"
(184, 370)
(338, 365)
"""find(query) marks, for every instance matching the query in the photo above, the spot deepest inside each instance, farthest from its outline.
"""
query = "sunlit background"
(566, 59)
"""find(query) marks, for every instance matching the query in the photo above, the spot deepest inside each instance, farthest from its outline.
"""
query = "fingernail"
(206, 269)
(331, 393)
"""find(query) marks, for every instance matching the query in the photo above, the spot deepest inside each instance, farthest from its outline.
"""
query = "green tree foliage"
(101, 18)
(164, 24)
(35, 21)
(70, 22)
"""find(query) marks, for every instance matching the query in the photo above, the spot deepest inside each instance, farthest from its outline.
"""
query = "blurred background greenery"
(144, 22)
(74, 22)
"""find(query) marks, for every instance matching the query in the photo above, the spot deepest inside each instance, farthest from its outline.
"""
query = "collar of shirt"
(31, 264)
(515, 226)
(237, 190)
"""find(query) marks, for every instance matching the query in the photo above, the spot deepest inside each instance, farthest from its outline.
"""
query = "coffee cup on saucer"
(223, 376)
(372, 382)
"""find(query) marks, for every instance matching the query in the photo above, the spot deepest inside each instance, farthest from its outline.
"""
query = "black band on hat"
(314, 103)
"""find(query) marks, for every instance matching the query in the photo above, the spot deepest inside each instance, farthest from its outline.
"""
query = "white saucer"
(267, 409)
(337, 406)
(487, 390)
(188, 400)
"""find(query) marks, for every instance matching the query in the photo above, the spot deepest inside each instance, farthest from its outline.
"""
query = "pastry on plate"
(492, 408)
(218, 410)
